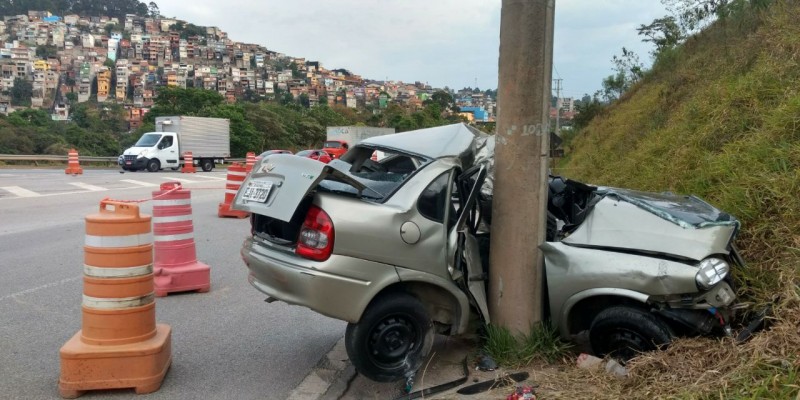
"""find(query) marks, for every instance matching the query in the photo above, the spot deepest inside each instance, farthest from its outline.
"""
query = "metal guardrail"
(48, 157)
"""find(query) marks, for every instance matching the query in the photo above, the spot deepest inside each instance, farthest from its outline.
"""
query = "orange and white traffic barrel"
(188, 163)
(73, 164)
(120, 345)
(176, 268)
(250, 161)
(236, 175)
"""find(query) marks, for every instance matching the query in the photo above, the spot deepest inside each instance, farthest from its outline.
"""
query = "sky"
(453, 43)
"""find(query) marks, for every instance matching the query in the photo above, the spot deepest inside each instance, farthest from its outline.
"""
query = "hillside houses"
(125, 61)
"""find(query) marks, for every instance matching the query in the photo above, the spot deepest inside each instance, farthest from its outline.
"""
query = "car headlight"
(712, 271)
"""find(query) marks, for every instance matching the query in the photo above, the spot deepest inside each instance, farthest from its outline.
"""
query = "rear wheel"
(624, 332)
(207, 165)
(392, 338)
(153, 165)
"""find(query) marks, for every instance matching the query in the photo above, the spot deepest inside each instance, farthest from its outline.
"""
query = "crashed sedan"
(398, 248)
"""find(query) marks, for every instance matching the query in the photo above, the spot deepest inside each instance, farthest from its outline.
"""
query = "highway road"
(227, 343)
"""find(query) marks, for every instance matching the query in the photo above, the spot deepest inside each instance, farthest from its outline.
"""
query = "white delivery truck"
(208, 139)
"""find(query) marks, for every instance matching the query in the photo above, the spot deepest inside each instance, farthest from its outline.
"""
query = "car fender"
(462, 313)
(566, 309)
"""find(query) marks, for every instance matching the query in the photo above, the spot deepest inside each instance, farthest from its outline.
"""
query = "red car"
(318, 155)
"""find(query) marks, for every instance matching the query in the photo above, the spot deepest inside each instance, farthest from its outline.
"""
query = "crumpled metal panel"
(574, 270)
(619, 224)
(684, 211)
(458, 140)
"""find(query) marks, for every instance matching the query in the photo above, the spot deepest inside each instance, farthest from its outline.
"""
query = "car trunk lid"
(277, 186)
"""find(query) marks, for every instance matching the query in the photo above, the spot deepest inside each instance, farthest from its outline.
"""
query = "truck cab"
(335, 148)
(153, 151)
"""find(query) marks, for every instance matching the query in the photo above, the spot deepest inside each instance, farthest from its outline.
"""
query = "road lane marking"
(20, 192)
(87, 186)
(181, 180)
(215, 178)
(140, 183)
(36, 289)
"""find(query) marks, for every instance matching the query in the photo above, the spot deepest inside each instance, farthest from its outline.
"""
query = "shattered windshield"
(148, 140)
(381, 177)
(685, 211)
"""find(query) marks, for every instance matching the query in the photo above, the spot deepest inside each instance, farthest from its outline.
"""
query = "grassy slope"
(719, 118)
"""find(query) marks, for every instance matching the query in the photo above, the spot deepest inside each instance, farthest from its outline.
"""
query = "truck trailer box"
(204, 137)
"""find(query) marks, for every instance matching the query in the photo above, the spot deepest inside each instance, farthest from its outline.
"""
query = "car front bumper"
(135, 164)
(340, 287)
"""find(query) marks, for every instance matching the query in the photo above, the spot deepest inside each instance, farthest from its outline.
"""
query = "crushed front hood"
(681, 226)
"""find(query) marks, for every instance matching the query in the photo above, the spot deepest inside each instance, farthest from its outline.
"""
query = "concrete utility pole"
(520, 191)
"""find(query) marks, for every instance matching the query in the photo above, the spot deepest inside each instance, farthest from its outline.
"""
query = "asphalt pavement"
(227, 343)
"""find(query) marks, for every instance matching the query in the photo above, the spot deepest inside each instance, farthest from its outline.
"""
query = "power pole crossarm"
(521, 157)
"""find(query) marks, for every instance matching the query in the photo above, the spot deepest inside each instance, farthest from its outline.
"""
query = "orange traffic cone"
(188, 163)
(73, 165)
(120, 345)
(250, 161)
(236, 175)
(176, 268)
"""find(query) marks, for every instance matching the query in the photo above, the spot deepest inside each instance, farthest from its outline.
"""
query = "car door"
(464, 260)
(168, 151)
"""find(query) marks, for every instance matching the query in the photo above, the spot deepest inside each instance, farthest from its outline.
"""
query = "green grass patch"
(508, 349)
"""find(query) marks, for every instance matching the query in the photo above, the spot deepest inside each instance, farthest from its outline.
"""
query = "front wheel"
(153, 165)
(392, 338)
(207, 165)
(624, 332)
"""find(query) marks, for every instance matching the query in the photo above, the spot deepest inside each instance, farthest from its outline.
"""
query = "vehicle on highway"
(208, 139)
(398, 248)
(318, 155)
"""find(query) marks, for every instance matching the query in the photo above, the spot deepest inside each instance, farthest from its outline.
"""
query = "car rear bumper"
(340, 287)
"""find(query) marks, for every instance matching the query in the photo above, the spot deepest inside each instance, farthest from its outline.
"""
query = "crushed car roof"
(457, 140)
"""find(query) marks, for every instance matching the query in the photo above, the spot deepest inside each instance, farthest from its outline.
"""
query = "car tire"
(207, 165)
(624, 332)
(153, 165)
(392, 338)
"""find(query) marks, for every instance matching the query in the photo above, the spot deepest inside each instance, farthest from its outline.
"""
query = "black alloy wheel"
(392, 338)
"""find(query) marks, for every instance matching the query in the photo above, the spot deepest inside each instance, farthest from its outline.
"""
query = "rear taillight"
(315, 240)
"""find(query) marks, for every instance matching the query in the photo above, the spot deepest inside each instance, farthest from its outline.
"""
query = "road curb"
(329, 379)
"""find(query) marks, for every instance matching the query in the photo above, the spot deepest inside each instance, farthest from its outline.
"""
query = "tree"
(303, 100)
(629, 70)
(586, 110)
(444, 100)
(46, 51)
(152, 9)
(179, 101)
(22, 92)
(664, 33)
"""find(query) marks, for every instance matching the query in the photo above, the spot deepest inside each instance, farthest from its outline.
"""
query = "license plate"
(257, 191)
(127, 162)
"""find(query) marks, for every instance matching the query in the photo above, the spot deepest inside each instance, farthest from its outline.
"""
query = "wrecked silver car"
(398, 248)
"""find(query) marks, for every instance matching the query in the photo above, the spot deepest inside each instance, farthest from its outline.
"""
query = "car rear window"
(382, 177)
